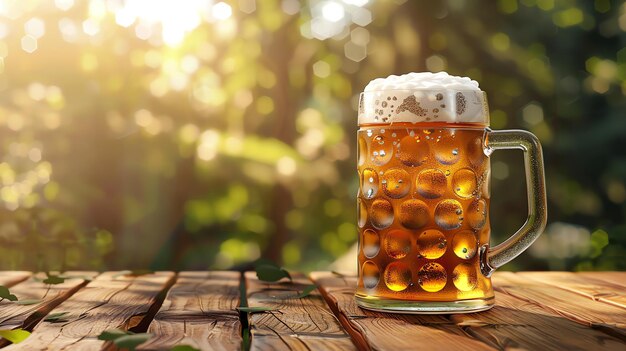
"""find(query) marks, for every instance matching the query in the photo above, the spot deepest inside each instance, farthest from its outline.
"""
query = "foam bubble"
(423, 97)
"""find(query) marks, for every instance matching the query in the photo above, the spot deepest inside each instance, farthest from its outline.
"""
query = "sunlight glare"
(333, 11)
(221, 11)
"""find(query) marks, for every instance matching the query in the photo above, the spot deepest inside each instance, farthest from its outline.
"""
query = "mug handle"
(494, 257)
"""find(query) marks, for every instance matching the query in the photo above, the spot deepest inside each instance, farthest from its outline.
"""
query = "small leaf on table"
(6, 294)
(256, 309)
(28, 302)
(265, 262)
(112, 334)
(15, 336)
(131, 341)
(184, 348)
(306, 291)
(56, 317)
(53, 279)
(268, 273)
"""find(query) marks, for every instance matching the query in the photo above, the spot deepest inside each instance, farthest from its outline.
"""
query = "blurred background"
(205, 134)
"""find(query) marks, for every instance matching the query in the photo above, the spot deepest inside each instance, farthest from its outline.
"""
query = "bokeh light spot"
(29, 44)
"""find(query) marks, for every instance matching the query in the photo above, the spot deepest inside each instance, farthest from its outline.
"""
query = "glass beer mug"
(423, 204)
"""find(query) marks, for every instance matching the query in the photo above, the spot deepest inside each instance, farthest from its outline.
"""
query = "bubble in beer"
(432, 277)
(449, 214)
(412, 151)
(369, 181)
(362, 151)
(381, 150)
(381, 214)
(431, 244)
(361, 212)
(464, 277)
(477, 214)
(464, 244)
(397, 276)
(371, 274)
(396, 183)
(371, 243)
(413, 214)
(464, 183)
(431, 183)
(397, 243)
(447, 151)
(475, 153)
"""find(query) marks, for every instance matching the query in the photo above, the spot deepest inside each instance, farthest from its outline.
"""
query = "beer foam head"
(423, 97)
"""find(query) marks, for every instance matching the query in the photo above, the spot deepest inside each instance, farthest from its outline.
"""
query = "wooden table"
(534, 310)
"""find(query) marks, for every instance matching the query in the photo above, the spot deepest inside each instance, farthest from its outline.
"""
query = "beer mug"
(423, 204)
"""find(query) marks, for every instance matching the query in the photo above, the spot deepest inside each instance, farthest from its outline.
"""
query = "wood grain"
(581, 309)
(600, 290)
(516, 324)
(109, 301)
(199, 311)
(387, 331)
(16, 315)
(298, 324)
(617, 278)
(10, 278)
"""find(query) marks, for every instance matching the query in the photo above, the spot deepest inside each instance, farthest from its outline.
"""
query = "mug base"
(424, 307)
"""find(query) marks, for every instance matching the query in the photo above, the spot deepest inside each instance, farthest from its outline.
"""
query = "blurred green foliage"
(211, 134)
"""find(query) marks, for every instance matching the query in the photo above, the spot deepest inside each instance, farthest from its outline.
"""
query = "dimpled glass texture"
(424, 203)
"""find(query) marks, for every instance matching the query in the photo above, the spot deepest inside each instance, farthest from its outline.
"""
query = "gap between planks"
(199, 311)
(108, 301)
(298, 323)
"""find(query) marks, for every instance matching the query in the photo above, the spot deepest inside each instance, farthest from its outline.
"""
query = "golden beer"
(423, 201)
(423, 212)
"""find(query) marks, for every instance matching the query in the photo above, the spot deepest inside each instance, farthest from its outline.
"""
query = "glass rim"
(439, 90)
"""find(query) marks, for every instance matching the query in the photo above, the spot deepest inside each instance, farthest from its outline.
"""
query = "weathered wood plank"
(581, 309)
(16, 315)
(199, 311)
(10, 278)
(386, 331)
(515, 324)
(298, 324)
(599, 290)
(616, 278)
(109, 301)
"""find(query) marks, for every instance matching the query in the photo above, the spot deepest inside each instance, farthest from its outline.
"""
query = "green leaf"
(265, 262)
(85, 277)
(54, 279)
(6, 294)
(184, 348)
(256, 309)
(131, 341)
(56, 317)
(28, 302)
(268, 273)
(112, 334)
(306, 291)
(15, 336)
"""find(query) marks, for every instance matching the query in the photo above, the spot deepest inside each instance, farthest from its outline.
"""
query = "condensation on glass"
(423, 201)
